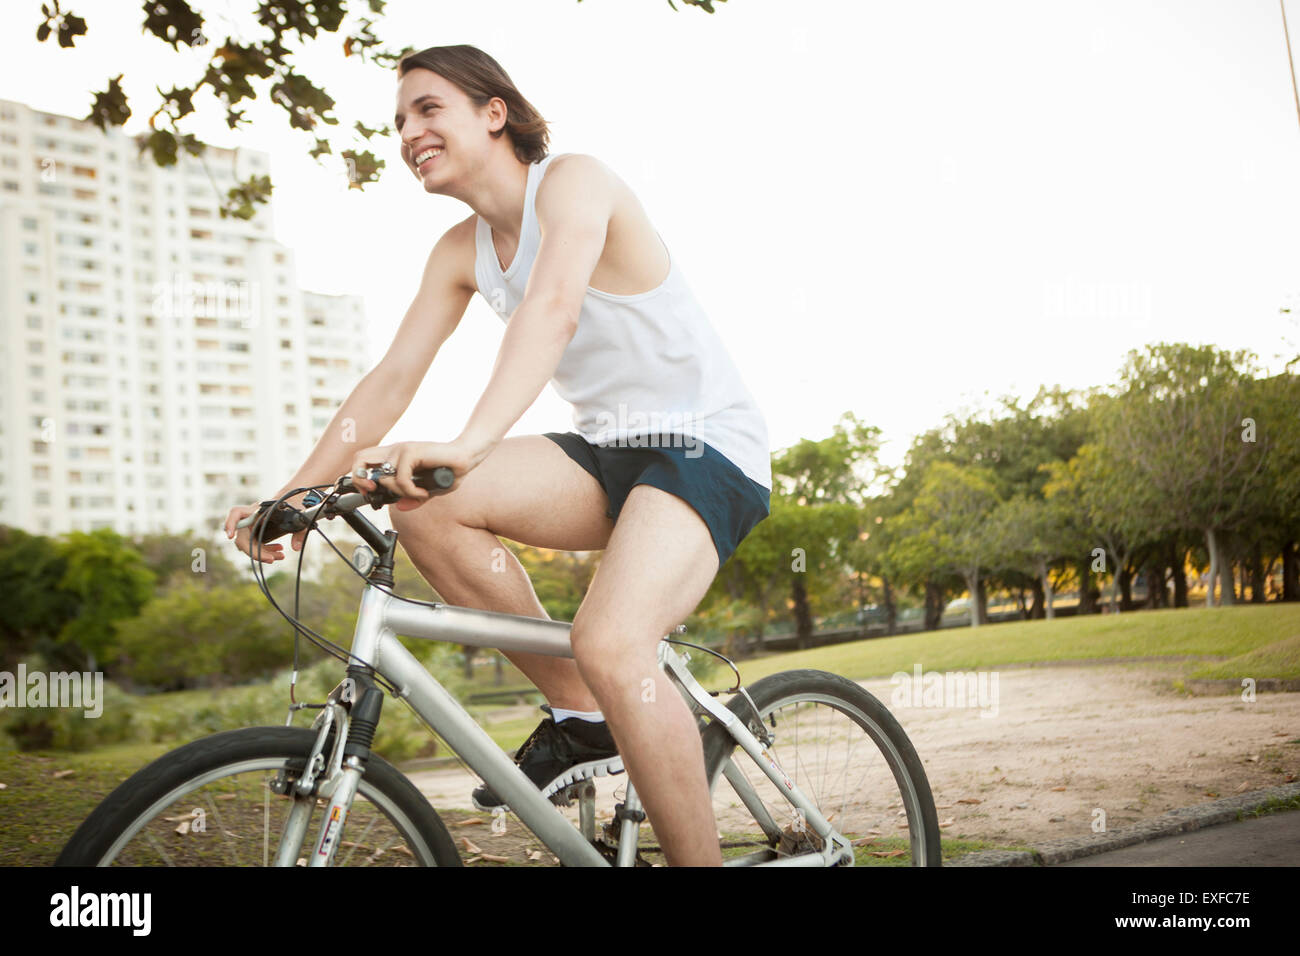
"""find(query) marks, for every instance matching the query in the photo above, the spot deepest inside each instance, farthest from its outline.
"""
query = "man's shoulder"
(456, 250)
(576, 164)
(577, 178)
(462, 234)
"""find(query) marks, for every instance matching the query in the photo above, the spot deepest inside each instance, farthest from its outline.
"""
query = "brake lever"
(435, 481)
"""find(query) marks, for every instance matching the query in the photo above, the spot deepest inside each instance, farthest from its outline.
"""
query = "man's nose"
(411, 132)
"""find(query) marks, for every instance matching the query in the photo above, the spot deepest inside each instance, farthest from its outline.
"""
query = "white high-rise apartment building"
(158, 363)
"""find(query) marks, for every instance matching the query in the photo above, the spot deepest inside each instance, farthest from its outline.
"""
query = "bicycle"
(366, 812)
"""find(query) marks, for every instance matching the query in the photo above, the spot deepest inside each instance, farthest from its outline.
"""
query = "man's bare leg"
(657, 567)
(527, 490)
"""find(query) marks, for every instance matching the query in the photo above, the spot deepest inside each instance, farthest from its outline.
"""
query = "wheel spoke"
(157, 846)
(843, 750)
(228, 776)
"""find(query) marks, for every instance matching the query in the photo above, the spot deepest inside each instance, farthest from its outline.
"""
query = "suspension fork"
(367, 702)
(351, 714)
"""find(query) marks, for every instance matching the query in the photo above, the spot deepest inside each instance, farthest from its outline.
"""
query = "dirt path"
(1067, 741)
(1056, 745)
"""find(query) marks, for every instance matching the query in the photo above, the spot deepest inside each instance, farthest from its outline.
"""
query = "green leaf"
(362, 167)
(305, 102)
(366, 132)
(173, 22)
(110, 107)
(162, 144)
(329, 14)
(232, 68)
(242, 200)
(71, 28)
(182, 98)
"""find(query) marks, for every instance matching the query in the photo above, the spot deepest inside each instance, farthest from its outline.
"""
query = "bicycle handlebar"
(288, 520)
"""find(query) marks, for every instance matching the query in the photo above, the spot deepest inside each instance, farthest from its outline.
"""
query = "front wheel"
(845, 752)
(210, 803)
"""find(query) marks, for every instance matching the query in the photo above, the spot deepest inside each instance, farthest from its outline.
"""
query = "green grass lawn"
(1264, 639)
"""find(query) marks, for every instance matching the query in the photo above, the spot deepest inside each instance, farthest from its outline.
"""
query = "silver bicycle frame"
(384, 616)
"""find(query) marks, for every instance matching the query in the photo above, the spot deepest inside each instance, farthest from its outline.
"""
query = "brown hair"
(481, 78)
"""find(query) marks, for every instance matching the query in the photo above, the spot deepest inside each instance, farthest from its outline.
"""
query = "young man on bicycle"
(667, 471)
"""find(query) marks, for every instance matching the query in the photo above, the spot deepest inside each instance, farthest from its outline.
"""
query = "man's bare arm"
(381, 397)
(573, 204)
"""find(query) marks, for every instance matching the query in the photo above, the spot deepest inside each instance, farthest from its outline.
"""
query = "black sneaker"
(557, 755)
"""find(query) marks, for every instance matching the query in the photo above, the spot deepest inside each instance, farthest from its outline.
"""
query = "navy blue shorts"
(730, 502)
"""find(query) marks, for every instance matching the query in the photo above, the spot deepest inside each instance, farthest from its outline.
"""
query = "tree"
(560, 578)
(174, 558)
(194, 635)
(827, 481)
(106, 581)
(31, 569)
(1180, 425)
(1116, 504)
(802, 546)
(948, 526)
(258, 56)
(756, 573)
(1011, 444)
(1275, 526)
(1031, 534)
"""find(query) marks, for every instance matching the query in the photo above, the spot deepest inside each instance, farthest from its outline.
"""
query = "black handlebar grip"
(285, 520)
(432, 480)
(437, 479)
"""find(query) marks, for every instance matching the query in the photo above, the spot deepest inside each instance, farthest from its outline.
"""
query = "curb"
(1182, 820)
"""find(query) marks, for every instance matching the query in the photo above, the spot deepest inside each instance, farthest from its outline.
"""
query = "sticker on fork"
(331, 831)
(771, 762)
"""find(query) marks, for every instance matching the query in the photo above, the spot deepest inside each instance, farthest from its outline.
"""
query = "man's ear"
(498, 112)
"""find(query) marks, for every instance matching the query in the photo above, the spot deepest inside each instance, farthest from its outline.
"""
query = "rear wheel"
(211, 803)
(845, 752)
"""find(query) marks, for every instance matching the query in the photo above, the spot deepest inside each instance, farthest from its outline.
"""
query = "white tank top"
(639, 365)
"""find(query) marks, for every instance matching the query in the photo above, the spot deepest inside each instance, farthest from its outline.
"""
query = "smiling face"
(444, 135)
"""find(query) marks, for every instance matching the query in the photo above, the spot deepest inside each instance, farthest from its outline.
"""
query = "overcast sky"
(889, 208)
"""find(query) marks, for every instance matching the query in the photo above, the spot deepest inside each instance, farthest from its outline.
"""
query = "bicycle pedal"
(607, 846)
(581, 776)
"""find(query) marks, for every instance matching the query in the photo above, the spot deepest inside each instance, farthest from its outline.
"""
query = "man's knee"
(602, 656)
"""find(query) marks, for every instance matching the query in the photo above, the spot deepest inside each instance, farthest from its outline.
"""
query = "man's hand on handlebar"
(404, 458)
(434, 465)
(245, 542)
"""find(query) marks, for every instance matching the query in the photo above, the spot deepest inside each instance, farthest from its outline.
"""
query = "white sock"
(593, 716)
